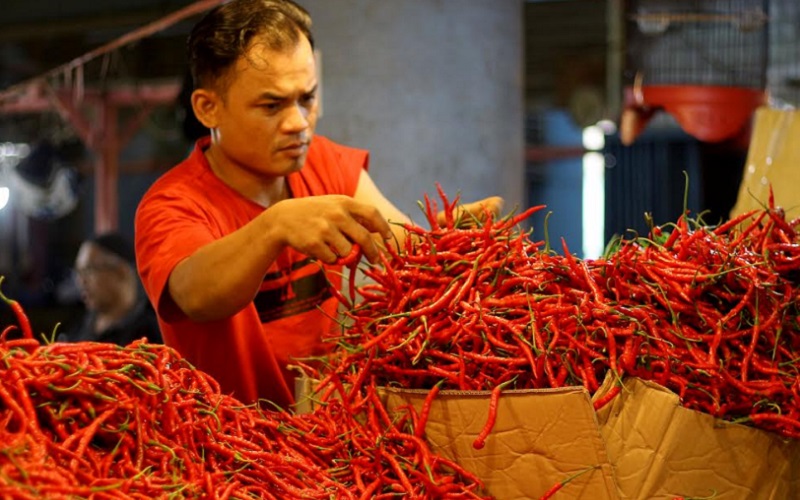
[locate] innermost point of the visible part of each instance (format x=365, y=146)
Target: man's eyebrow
x=271, y=96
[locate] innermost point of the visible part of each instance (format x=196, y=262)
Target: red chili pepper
x=22, y=318
x=419, y=431
x=351, y=258
x=503, y=226
x=494, y=399
x=607, y=397
x=558, y=486
x=431, y=213
x=677, y=232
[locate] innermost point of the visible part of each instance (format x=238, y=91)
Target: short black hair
x=225, y=32
x=118, y=244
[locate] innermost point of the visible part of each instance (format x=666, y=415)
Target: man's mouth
x=294, y=144
x=297, y=147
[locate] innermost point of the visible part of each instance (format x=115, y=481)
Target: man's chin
x=293, y=165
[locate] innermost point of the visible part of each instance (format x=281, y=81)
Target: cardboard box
x=773, y=159
x=661, y=450
x=644, y=445
x=540, y=438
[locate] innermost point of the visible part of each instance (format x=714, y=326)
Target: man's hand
x=326, y=227
x=467, y=213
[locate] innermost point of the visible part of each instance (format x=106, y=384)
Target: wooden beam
x=106, y=196
x=72, y=98
x=145, y=31
x=73, y=116
x=37, y=100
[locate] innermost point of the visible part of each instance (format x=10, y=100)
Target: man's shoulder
x=193, y=166
x=188, y=169
x=333, y=168
x=182, y=180
x=321, y=143
x=320, y=149
x=324, y=152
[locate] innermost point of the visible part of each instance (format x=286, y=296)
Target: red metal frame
x=102, y=133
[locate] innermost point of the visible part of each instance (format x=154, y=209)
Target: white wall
x=433, y=88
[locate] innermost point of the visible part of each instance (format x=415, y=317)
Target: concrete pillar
x=433, y=88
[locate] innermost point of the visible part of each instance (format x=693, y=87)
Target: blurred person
x=116, y=309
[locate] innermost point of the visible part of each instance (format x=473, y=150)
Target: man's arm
x=221, y=278
x=368, y=192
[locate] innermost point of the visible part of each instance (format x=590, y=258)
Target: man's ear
x=205, y=104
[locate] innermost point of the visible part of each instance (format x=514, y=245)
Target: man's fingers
x=360, y=234
x=341, y=246
x=352, y=257
x=334, y=224
x=493, y=204
x=479, y=209
x=371, y=218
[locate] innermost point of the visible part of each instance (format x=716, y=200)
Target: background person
x=116, y=309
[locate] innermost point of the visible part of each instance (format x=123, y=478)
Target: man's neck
x=264, y=192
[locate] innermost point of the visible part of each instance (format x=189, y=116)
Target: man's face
x=267, y=114
x=99, y=276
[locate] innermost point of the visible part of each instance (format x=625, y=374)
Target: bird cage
x=702, y=61
x=783, y=71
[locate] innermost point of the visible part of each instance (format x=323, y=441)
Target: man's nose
x=297, y=119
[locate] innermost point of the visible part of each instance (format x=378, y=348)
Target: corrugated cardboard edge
x=661, y=450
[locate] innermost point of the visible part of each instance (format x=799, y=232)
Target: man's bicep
x=166, y=234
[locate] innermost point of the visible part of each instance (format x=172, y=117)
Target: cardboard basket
x=540, y=438
x=661, y=450
x=643, y=445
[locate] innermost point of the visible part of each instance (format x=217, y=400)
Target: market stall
x=476, y=362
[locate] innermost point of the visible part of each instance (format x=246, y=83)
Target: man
x=116, y=310
x=237, y=244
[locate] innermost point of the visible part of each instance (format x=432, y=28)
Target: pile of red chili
x=99, y=421
x=473, y=304
x=716, y=315
x=710, y=312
